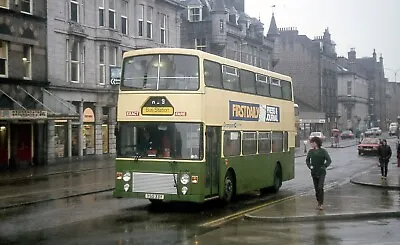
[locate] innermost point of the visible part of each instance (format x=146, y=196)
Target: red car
x=368, y=146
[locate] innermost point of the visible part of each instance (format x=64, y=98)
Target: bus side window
x=230, y=78
x=247, y=82
x=232, y=140
x=212, y=74
x=286, y=90
x=277, y=141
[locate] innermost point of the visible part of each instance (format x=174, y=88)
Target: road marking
x=242, y=213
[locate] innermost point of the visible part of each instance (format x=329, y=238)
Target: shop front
x=88, y=131
x=22, y=138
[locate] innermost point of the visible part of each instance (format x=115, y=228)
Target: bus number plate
x=154, y=196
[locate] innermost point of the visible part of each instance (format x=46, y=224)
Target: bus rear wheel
x=229, y=187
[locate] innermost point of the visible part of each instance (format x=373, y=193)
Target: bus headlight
x=185, y=179
x=127, y=176
x=184, y=190
x=126, y=187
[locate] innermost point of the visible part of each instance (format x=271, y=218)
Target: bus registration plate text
x=154, y=196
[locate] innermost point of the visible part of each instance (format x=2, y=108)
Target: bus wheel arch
x=229, y=190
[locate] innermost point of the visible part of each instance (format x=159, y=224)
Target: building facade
x=223, y=28
x=352, y=94
x=312, y=65
x=26, y=105
x=376, y=89
x=86, y=40
x=392, y=102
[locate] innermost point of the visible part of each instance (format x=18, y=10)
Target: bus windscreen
x=161, y=72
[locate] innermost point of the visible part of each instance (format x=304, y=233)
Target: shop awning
x=53, y=107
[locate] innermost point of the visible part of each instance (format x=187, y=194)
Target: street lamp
x=395, y=89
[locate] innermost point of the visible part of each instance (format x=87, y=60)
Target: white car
x=317, y=134
x=393, y=128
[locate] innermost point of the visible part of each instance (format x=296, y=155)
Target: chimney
x=352, y=55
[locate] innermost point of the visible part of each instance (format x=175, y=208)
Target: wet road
x=101, y=219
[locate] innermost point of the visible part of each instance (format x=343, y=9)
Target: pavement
x=367, y=196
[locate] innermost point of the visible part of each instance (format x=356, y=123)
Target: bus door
x=213, y=157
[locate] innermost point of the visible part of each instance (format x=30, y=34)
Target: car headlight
x=185, y=179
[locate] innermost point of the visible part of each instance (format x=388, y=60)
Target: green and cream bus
x=193, y=126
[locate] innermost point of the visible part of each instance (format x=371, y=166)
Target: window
x=163, y=24
x=212, y=74
x=275, y=88
x=149, y=23
x=264, y=142
x=200, y=44
x=232, y=143
x=4, y=4
x=74, y=72
x=111, y=14
x=277, y=142
x=247, y=82
x=27, y=62
x=74, y=11
x=285, y=141
x=172, y=141
x=230, y=78
x=221, y=26
x=3, y=59
x=140, y=20
x=286, y=90
x=349, y=86
x=26, y=6
x=113, y=53
x=249, y=143
x=102, y=68
x=262, y=84
x=101, y=13
x=161, y=72
x=124, y=18
x=195, y=14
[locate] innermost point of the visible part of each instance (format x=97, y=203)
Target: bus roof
x=207, y=56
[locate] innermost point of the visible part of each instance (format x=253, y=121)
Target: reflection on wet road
x=101, y=219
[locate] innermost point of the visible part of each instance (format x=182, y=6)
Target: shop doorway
x=21, y=145
x=3, y=146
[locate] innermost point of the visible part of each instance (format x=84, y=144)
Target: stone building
x=353, y=96
x=376, y=89
x=26, y=105
x=223, y=28
x=392, y=102
x=312, y=65
x=86, y=40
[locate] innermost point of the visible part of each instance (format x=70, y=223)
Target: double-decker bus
x=193, y=126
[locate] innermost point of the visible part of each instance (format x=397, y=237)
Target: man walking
x=317, y=161
x=384, y=153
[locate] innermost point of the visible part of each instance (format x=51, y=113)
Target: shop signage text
x=23, y=114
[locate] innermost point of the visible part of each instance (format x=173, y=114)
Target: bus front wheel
x=229, y=187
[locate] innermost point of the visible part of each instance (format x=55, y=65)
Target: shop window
x=249, y=143
x=264, y=142
x=3, y=146
x=88, y=139
x=75, y=140
x=277, y=141
x=232, y=141
x=61, y=139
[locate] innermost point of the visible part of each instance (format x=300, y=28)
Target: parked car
x=317, y=134
x=368, y=146
x=347, y=134
x=393, y=128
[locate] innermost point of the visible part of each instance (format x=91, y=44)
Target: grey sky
x=360, y=24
